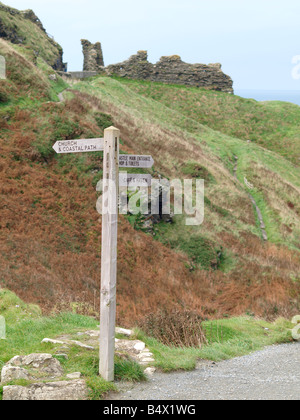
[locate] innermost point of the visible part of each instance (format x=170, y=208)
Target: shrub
x=65, y=129
x=62, y=127
x=103, y=120
x=128, y=370
x=201, y=251
x=3, y=97
x=175, y=329
x=197, y=171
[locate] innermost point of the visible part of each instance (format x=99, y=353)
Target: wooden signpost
x=109, y=253
x=111, y=179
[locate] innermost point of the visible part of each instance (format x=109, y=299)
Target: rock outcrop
x=44, y=377
x=53, y=391
x=93, y=56
x=17, y=26
x=48, y=371
x=173, y=70
x=31, y=367
x=29, y=14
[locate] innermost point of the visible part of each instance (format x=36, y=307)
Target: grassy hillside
x=50, y=230
x=24, y=28
x=25, y=83
x=273, y=125
x=180, y=144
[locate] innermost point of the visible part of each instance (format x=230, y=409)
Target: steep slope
x=24, y=28
x=273, y=125
x=24, y=79
x=179, y=144
x=50, y=230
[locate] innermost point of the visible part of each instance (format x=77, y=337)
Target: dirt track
x=271, y=374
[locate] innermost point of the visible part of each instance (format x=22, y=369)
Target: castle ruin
x=170, y=70
x=173, y=70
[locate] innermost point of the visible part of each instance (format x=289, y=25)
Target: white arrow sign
x=134, y=180
x=135, y=161
x=79, y=146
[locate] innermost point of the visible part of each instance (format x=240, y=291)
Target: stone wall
x=78, y=74
x=173, y=70
x=93, y=56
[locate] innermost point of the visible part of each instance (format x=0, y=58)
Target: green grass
x=87, y=362
x=202, y=252
x=228, y=338
x=27, y=85
x=274, y=125
x=26, y=328
x=197, y=171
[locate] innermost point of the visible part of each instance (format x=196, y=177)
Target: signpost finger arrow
x=134, y=180
x=135, y=161
x=79, y=146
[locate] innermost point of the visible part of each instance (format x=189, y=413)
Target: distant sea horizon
x=292, y=96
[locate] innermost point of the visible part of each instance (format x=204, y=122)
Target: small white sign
x=79, y=146
x=135, y=161
x=135, y=180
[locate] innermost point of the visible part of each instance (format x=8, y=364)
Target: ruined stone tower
x=93, y=56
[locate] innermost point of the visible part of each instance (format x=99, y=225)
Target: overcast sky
x=255, y=40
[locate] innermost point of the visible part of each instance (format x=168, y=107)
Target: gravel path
x=271, y=374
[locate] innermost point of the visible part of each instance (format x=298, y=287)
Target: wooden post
x=109, y=252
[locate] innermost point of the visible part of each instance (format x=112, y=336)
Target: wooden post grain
x=109, y=252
